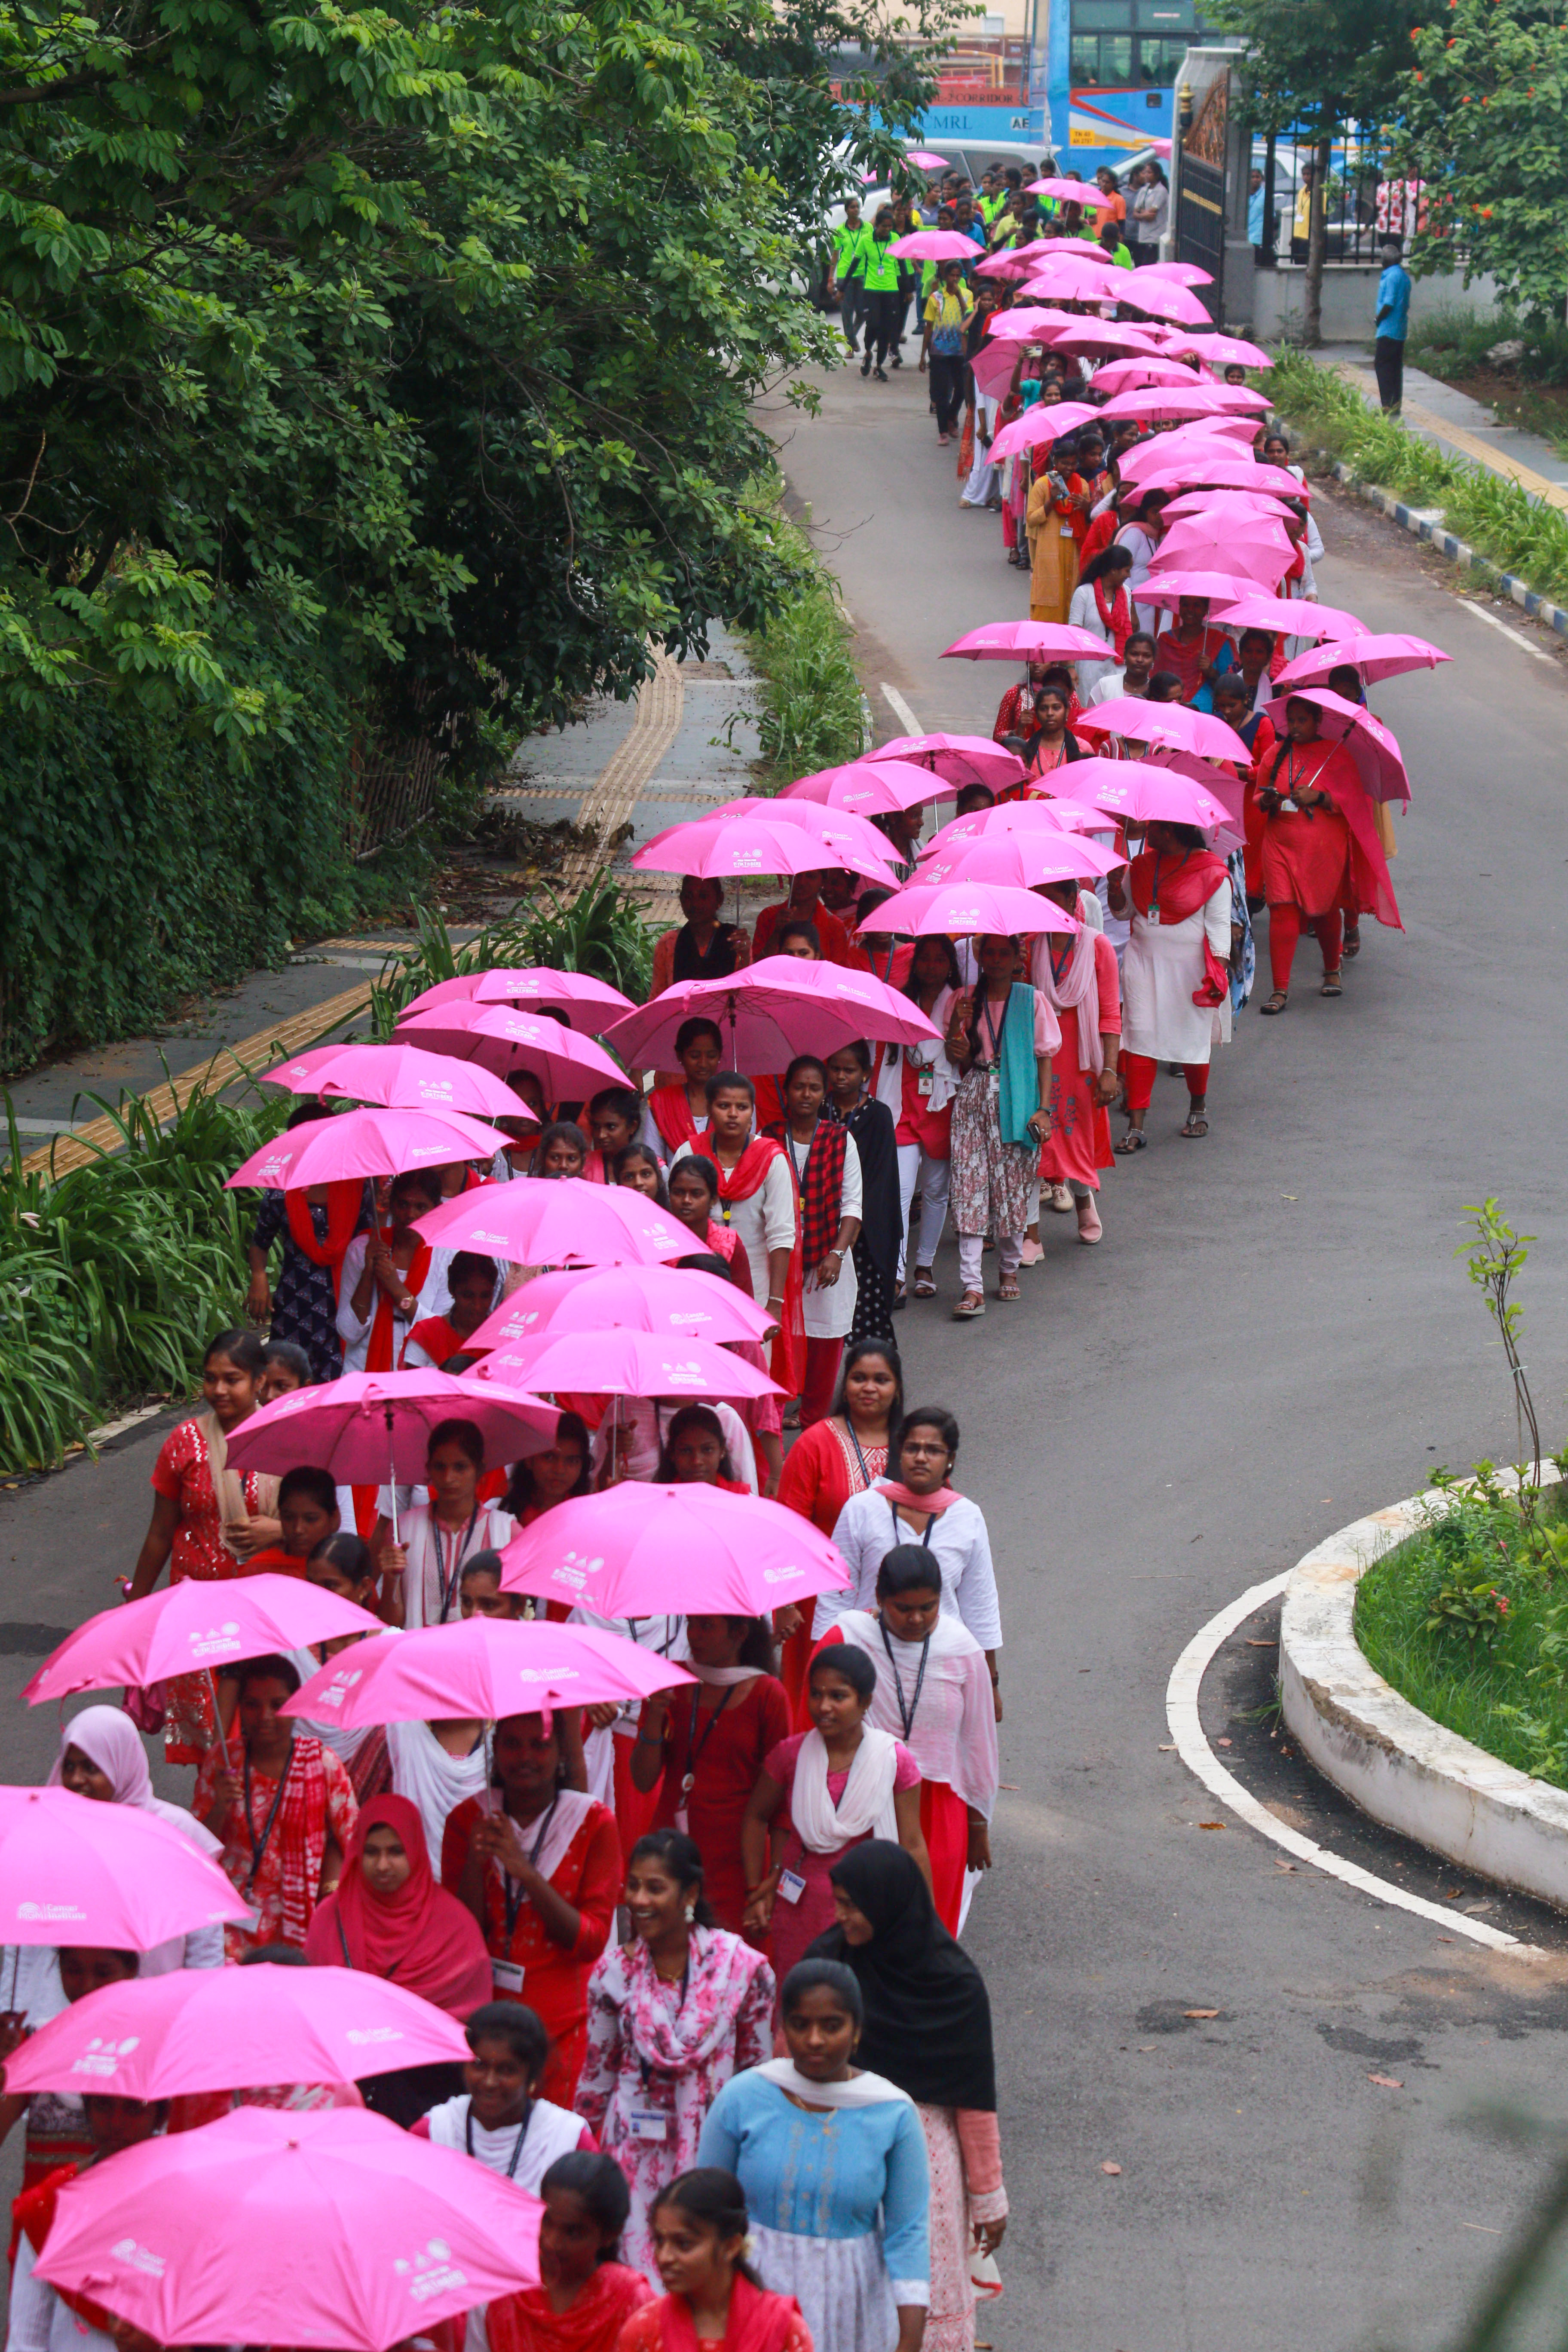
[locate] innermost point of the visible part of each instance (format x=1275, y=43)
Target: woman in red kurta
x=831, y=1461
x=1320, y=849
x=1189, y=647
x=541, y=1871
x=1234, y=705
x=678, y=1112
x=703, y=1749
x=1078, y=978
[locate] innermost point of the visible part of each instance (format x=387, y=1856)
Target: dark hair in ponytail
x=680, y=1857
x=716, y=2199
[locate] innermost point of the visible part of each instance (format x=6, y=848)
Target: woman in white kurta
x=377, y=1311
x=1180, y=950
x=1100, y=605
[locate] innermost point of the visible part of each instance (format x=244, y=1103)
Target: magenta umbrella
x=772, y=1010
x=557, y=1221
x=1219, y=506
x=669, y=1301
x=1172, y=465
x=1194, y=399
x=1106, y=337
x=1070, y=192
x=398, y=1077
x=375, y=1427
x=1046, y=421
x=962, y=759
x=796, y=837
x=1290, y=617
x=622, y=1362
x=1167, y=589
x=1260, y=549
x=1231, y=351
x=1371, y=656
x=1049, y=816
x=367, y=1143
x=195, y=1627
x=1027, y=641
x=1024, y=324
x=1161, y=298
x=490, y=1667
x=1009, y=263
x=924, y=161
x=1130, y=376
x=1140, y=794
x=1074, y=278
x=501, y=1039
x=1023, y=860
x=587, y=1003
x=1185, y=273
x=335, y=2229
x=867, y=788
x=74, y=1872
x=960, y=908
x=638, y=1550
x=234, y=2030
x=1171, y=725
x=934, y=244
x=1373, y=746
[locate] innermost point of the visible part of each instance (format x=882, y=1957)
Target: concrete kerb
x=1392, y=1760
x=1423, y=523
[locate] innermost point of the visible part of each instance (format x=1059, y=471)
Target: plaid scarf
x=820, y=1185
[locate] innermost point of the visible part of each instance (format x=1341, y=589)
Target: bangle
x=650, y=1739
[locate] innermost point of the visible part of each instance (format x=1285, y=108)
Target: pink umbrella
x=773, y=1010
x=1024, y=324
x=1130, y=376
x=1185, y=273
x=396, y=1076
x=501, y=1039
x=551, y=1221
x=587, y=1003
x=1017, y=641
x=1167, y=589
x=1026, y=817
x=490, y=1668
x=994, y=366
x=784, y=841
x=1160, y=298
x=934, y=245
x=924, y=161
x=1193, y=399
x=1171, y=464
x=1371, y=656
x=334, y=2229
x=671, y=1302
x=1046, y=421
x=962, y=759
x=1373, y=746
x=1261, y=551
x=195, y=1627
x=867, y=788
x=968, y=907
x=73, y=1872
x=1170, y=725
x=367, y=1143
x=234, y=2030
x=622, y=1362
x=1223, y=504
x=840, y=828
x=1140, y=794
x=1070, y=192
x=1290, y=617
x=638, y=1550
x=1008, y=264
x=1023, y=860
x=1074, y=278
x=1102, y=338
x=1231, y=351
x=375, y=1427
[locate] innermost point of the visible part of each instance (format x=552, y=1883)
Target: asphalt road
x=1273, y=1337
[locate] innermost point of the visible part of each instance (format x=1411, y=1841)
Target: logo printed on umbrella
x=68, y=1912
x=139, y=2258
x=102, y=2058
x=361, y=2035
x=576, y=1571
x=218, y=1640
x=781, y=1575
x=689, y=1375
x=551, y=1674
x=431, y=2271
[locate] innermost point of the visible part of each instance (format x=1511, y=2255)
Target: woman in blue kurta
x=833, y=2162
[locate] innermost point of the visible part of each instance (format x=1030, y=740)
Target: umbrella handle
x=392, y=1476
x=217, y=1717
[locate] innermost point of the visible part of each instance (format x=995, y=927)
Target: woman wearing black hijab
x=870, y=1123
x=927, y=2029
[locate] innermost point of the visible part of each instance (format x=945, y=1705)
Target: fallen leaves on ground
x=1386, y=2082
x=1210, y=1825
x=1111, y=2167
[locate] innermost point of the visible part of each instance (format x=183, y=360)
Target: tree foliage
x=1318, y=65
x=1485, y=106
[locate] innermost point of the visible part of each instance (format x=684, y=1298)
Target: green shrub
x=1454, y=342
x=601, y=931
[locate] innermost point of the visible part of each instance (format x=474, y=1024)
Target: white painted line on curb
x=901, y=711
x=1514, y=637
x=127, y=1421
x=1182, y=1714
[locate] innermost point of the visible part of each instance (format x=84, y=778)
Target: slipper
x=900, y=1298
x=1057, y=1197
x=1090, y=1233
x=1331, y=986
x=1133, y=1140
x=1007, y=1289
x=968, y=1308
x=925, y=1286
x=1275, y=1003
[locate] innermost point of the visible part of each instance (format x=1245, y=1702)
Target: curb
x=1395, y=1762
x=1422, y=524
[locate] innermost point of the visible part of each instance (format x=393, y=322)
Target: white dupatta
x=866, y=1808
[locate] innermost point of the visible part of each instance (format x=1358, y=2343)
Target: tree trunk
x=1317, y=247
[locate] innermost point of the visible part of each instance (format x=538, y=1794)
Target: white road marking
x=127, y=1420
x=1514, y=637
x=901, y=711
x=1182, y=1714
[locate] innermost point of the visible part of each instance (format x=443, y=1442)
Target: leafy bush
x=1453, y=342
x=601, y=931
x=113, y=1280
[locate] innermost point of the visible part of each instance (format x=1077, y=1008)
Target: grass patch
x=601, y=931
x=1428, y=1618
x=1495, y=516
x=1454, y=342
x=809, y=704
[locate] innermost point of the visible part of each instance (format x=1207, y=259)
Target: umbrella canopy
x=1193, y=399
x=1023, y=860
x=1290, y=617
x=961, y=908
x=1048, y=816
x=924, y=161
x=375, y=1426
x=334, y=2229
x=367, y=1143
x=489, y=1667
x=558, y=1221
x=1074, y=278
x=1371, y=656
x=638, y=1550
x=396, y=1077
x=961, y=759
x=1100, y=337
x=1017, y=641
x=669, y=1301
x=190, y=1628
x=1374, y=748
x=622, y=1362
x=1009, y=263
x=1132, y=375
x=770, y=1011
x=1219, y=506
x=789, y=837
x=867, y=788
x=501, y=1039
x=1172, y=465
x=1069, y=192
x=1170, y=725
x=1025, y=324
x=234, y=2030
x=1185, y=273
x=1046, y=421
x=934, y=244
x=1140, y=794
x=587, y=1003
x=1260, y=549
x=1161, y=298
x=1227, y=351
x=1167, y=589
x=74, y=1872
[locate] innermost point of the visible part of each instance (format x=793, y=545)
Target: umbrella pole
x=217, y=1719
x=392, y=1476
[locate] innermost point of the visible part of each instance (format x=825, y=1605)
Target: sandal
x=925, y=1286
x=1133, y=1140
x=1275, y=1004
x=970, y=1305
x=1353, y=942
x=1007, y=1289
x=1332, y=985
x=900, y=1298
x=1197, y=1127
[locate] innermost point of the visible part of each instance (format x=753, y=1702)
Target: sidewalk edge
x=1418, y=522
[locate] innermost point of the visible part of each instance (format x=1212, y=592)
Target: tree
x=1485, y=127
x=1315, y=67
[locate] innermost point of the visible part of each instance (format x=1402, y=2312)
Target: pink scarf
x=720, y=1970
x=1077, y=991
x=902, y=1499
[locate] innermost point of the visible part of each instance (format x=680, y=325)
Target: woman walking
x=585, y=2293
x=1147, y=214
x=838, y=1458
x=420, y=1574
x=1321, y=850
x=699, y=2232
x=825, y=1166
x=1101, y=605
x=1058, y=497
x=870, y=1127
x=284, y=1819
x=924, y=1132
x=1000, y=1034
x=676, y=1111
x=1080, y=980
x=1175, y=977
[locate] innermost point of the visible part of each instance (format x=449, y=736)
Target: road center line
x=1182, y=1714
x=901, y=711
x=1515, y=636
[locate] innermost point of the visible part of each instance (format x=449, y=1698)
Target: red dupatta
x=344, y=1198
x=378, y=1354
x=1372, y=885
x=672, y=1114
x=757, y=2321
x=32, y=2217
x=1176, y=883
x=787, y=1362
x=1116, y=616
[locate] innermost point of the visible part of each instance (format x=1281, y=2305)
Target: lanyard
x=860, y=1458
x=907, y=1714
x=995, y=1027
x=258, y=1846
x=512, y=1892
x=694, y=1747
x=1059, y=970
x=924, y=1535
x=1154, y=885
x=517, y=2145
x=448, y=1588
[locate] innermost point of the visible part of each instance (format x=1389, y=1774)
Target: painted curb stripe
x=1421, y=526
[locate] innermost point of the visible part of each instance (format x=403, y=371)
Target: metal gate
x=1200, y=200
